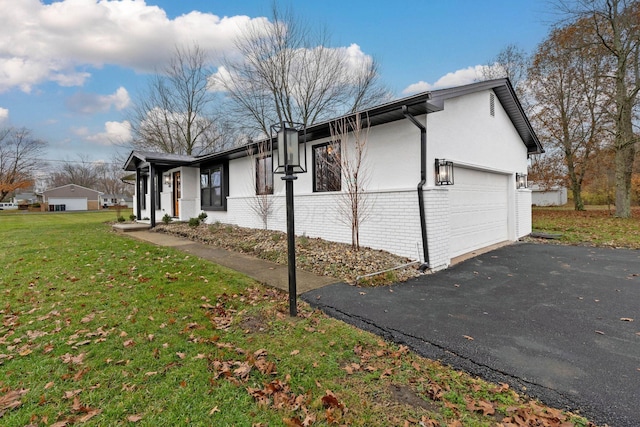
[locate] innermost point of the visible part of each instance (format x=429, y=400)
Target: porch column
x=152, y=194
x=137, y=193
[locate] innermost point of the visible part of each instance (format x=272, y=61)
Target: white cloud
x=61, y=41
x=4, y=115
x=115, y=133
x=88, y=103
x=457, y=78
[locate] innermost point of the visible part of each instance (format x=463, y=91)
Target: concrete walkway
x=265, y=272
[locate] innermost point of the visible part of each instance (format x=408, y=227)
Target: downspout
x=423, y=180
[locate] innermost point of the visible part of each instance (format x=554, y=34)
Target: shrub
x=202, y=216
x=132, y=217
x=166, y=219
x=121, y=218
x=194, y=222
x=303, y=241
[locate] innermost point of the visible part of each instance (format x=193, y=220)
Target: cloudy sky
x=69, y=69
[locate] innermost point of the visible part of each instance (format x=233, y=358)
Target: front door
x=176, y=194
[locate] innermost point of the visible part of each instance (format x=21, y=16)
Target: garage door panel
x=71, y=204
x=479, y=210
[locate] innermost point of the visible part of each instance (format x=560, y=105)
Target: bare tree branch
x=177, y=112
x=288, y=73
x=19, y=153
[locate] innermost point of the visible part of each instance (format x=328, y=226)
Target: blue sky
x=70, y=68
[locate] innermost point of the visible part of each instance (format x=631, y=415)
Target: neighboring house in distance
x=27, y=198
x=552, y=196
x=481, y=128
x=71, y=197
x=109, y=200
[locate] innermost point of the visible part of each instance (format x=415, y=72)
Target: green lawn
x=595, y=226
x=100, y=329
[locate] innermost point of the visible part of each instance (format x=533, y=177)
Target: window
x=143, y=190
x=327, y=167
x=264, y=175
x=213, y=188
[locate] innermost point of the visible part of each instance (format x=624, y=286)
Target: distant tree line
x=580, y=90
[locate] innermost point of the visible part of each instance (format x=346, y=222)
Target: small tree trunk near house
x=352, y=135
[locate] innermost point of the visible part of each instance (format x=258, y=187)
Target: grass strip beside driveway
x=100, y=329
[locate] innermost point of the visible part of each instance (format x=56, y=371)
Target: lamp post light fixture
x=521, y=181
x=444, y=172
x=289, y=164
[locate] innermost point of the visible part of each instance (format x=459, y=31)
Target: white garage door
x=479, y=210
x=71, y=204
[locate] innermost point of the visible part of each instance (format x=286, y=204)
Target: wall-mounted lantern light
x=521, y=180
x=167, y=180
x=444, y=172
x=289, y=163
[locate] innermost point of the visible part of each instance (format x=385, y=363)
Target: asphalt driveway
x=561, y=323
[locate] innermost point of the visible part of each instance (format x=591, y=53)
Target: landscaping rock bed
x=314, y=255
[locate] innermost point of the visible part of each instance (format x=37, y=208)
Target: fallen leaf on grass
x=481, y=406
x=134, y=418
x=329, y=400
x=214, y=410
x=90, y=414
x=72, y=393
x=292, y=422
x=11, y=400
x=88, y=318
x=25, y=351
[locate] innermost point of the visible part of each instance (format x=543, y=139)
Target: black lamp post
x=289, y=164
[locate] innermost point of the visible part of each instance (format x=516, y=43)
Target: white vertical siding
x=523, y=213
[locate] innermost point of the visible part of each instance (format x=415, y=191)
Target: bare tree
x=287, y=73
x=109, y=176
x=548, y=169
x=82, y=172
x=511, y=62
x=351, y=134
x=262, y=181
x=19, y=152
x=616, y=29
x=177, y=114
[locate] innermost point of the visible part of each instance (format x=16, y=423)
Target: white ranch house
x=481, y=128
